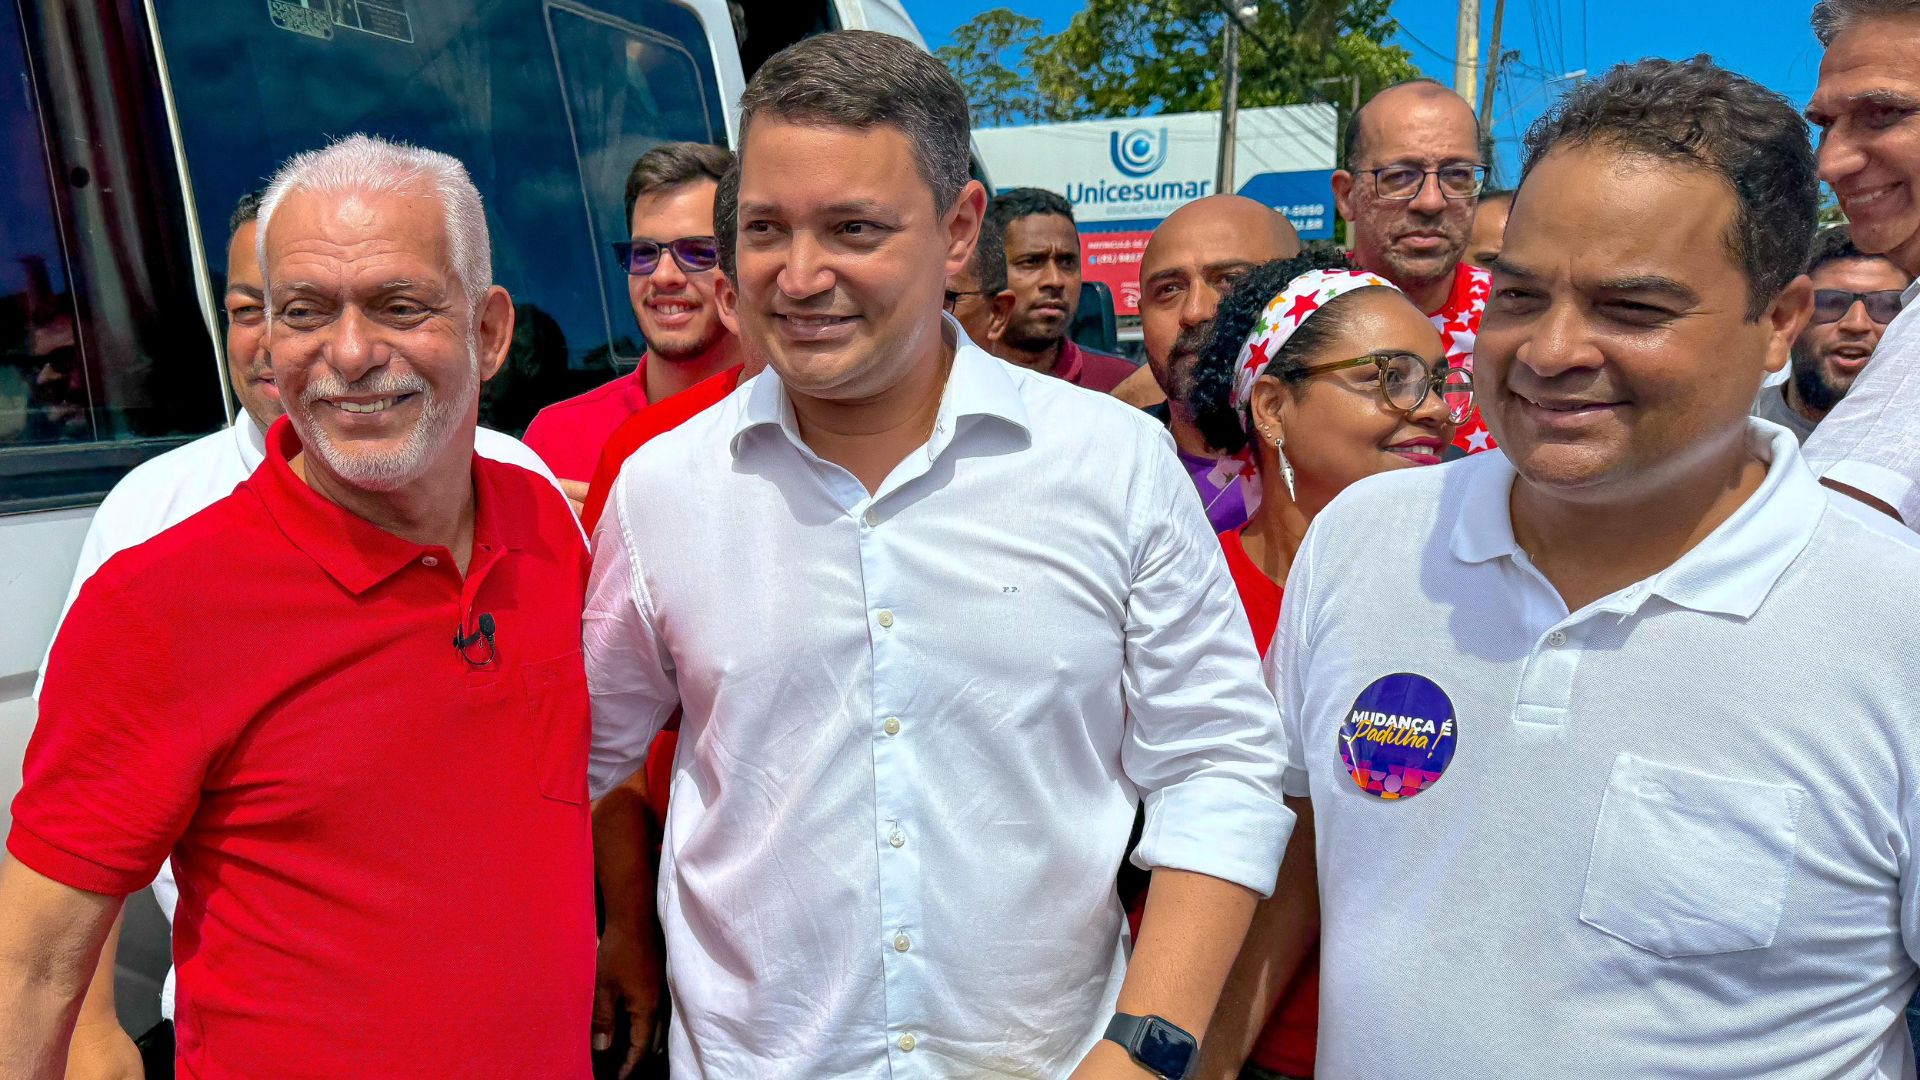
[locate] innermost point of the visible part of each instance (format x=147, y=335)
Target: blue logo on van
x=1135, y=153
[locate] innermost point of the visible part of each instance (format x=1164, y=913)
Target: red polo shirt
x=568, y=434
x=383, y=850
x=1091, y=368
x=640, y=428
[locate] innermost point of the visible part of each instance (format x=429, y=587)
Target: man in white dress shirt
x=169, y=489
x=973, y=616
x=1574, y=817
x=1867, y=108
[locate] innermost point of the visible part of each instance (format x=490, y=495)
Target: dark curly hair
x=1700, y=114
x=1213, y=373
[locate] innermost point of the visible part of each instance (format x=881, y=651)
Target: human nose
x=1201, y=303
x=1428, y=198
x=667, y=273
x=1555, y=344
x=1839, y=154
x=805, y=271
x=1856, y=320
x=354, y=349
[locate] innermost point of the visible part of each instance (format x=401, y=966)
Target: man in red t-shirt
x=1413, y=178
x=348, y=699
x=670, y=261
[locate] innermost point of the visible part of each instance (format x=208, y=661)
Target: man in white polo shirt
x=171, y=488
x=1575, y=818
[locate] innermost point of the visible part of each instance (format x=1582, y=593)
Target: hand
x=102, y=1051
x=576, y=492
x=628, y=975
x=1108, y=1060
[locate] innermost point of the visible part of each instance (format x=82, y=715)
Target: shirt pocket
x=557, y=714
x=1689, y=864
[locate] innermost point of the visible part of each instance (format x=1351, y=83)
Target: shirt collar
x=1071, y=359
x=1730, y=572
x=978, y=384
x=352, y=550
x=1912, y=294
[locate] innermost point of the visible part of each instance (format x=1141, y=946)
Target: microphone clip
x=464, y=643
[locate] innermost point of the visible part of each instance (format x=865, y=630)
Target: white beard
x=389, y=470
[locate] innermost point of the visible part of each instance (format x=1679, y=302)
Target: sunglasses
x=1832, y=305
x=695, y=254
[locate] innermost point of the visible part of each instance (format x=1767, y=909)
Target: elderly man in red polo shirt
x=347, y=699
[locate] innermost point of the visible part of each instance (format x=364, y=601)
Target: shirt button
x=886, y=618
x=429, y=560
x=873, y=517
x=897, y=838
x=900, y=943
x=907, y=1043
x=1557, y=638
x=892, y=726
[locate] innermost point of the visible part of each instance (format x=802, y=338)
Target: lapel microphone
x=464, y=642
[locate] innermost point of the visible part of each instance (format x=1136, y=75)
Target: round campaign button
x=1398, y=737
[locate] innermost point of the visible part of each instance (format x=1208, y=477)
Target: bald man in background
x=1191, y=260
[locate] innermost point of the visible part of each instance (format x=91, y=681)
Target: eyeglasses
x=1403, y=182
x=1832, y=305
x=1406, y=379
x=954, y=296
x=695, y=254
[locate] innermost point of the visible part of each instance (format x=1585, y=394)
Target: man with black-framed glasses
x=1855, y=296
x=1412, y=180
x=674, y=281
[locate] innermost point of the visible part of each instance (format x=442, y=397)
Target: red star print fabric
x=1459, y=324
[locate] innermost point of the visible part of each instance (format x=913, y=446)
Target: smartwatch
x=1163, y=1049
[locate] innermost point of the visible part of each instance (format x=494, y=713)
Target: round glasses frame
x=1453, y=383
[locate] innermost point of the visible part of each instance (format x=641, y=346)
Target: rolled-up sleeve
x=1203, y=739
x=630, y=676
x=1871, y=439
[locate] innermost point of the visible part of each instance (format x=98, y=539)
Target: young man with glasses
x=1855, y=296
x=1412, y=182
x=671, y=264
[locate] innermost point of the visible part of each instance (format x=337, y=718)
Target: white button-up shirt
x=917, y=724
x=1676, y=836
x=1871, y=439
x=164, y=491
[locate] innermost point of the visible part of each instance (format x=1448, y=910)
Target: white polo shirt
x=1668, y=835
x=163, y=492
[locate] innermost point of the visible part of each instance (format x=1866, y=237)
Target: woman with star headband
x=1316, y=376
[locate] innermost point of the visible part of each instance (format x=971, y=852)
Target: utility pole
x=1229, y=104
x=1493, y=72
x=1466, y=51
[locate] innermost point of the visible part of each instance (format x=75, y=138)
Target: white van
x=136, y=127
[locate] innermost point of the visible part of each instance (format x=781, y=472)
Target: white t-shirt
x=164, y=491
x=1871, y=439
x=1671, y=834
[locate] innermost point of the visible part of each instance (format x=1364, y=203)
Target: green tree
x=991, y=55
x=1125, y=57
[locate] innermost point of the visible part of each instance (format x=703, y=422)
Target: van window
x=547, y=105
x=105, y=356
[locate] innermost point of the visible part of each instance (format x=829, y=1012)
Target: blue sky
x=1766, y=40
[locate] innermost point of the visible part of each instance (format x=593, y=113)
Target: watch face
x=1164, y=1048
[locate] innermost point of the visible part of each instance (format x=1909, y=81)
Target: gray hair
x=1830, y=17
x=370, y=165
x=861, y=79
